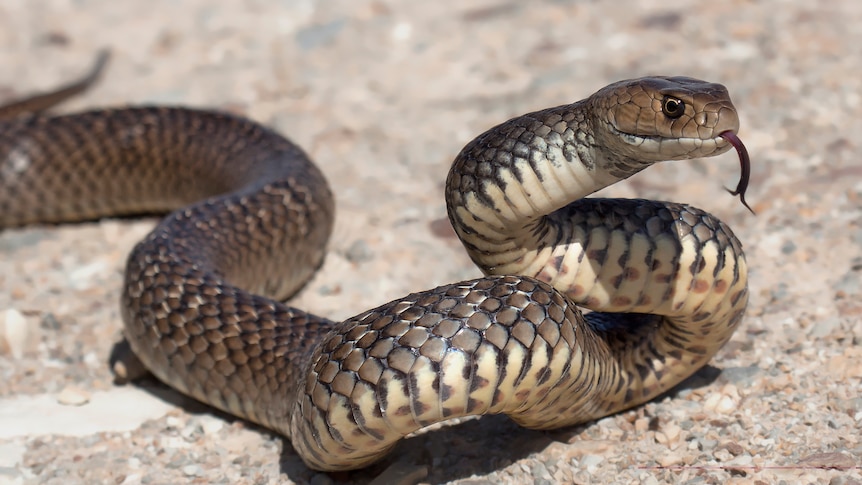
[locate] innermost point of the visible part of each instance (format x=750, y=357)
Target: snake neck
x=508, y=189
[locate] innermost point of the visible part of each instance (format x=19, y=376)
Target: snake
x=587, y=306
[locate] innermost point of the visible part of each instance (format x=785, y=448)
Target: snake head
x=650, y=119
x=664, y=118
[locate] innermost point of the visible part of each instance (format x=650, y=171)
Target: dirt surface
x=383, y=94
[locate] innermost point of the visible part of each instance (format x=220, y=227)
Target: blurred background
x=383, y=94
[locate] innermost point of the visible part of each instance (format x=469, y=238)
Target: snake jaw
x=726, y=139
x=658, y=145
x=729, y=138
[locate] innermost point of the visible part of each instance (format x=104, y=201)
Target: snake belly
x=667, y=283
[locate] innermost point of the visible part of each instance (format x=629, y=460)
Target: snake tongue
x=744, y=163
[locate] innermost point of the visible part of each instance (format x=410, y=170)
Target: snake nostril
x=726, y=120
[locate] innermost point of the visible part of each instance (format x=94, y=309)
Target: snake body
x=667, y=283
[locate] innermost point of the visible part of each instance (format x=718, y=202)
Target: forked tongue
x=744, y=163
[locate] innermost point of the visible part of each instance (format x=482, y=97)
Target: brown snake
x=667, y=282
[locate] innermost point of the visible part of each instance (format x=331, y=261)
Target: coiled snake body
x=667, y=282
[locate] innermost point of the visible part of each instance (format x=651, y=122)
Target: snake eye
x=672, y=107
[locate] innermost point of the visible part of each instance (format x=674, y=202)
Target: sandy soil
x=383, y=94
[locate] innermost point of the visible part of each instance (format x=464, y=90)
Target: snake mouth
x=658, y=141
x=727, y=136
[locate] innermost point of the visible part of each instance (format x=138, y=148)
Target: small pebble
x=125, y=365
x=850, y=283
x=650, y=480
x=173, y=422
x=132, y=479
x=73, y=396
x=725, y=405
x=707, y=444
x=740, y=375
x=539, y=471
x=589, y=461
x=824, y=327
x=670, y=459
x=193, y=470
x=847, y=365
x=711, y=401
x=829, y=460
x=722, y=455
x=329, y=290
x=211, y=425
x=734, y=448
x=358, y=252
x=669, y=434
x=49, y=322
x=721, y=404
x=317, y=35
x=93, y=360
x=191, y=431
x=740, y=461
x=17, y=335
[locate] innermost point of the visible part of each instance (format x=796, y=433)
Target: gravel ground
x=382, y=94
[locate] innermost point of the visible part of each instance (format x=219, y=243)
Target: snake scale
x=666, y=282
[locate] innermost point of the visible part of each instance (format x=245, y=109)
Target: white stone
x=15, y=332
x=73, y=396
x=120, y=409
x=11, y=454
